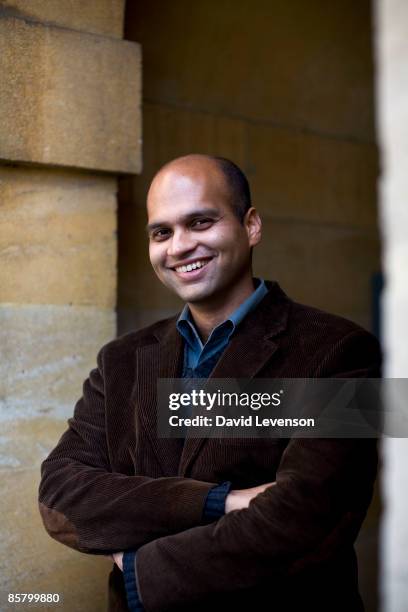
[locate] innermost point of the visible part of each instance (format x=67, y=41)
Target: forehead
x=176, y=195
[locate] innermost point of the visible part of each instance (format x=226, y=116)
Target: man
x=232, y=523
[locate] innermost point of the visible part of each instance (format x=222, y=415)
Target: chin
x=193, y=295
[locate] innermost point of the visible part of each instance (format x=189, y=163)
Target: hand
x=240, y=498
x=118, y=559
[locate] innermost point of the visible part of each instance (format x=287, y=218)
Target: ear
x=253, y=226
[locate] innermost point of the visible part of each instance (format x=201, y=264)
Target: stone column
x=392, y=58
x=69, y=123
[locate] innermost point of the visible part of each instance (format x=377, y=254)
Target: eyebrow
x=201, y=212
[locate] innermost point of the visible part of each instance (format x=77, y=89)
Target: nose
x=181, y=243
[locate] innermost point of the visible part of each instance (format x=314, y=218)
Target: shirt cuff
x=214, y=507
x=129, y=575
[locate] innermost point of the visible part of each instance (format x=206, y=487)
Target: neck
x=208, y=315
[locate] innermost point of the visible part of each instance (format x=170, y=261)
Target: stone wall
x=69, y=123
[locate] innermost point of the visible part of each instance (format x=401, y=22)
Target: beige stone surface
x=24, y=444
x=69, y=98
x=47, y=351
x=100, y=17
x=297, y=64
x=31, y=562
x=57, y=237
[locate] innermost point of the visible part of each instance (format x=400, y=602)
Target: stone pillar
x=392, y=54
x=69, y=123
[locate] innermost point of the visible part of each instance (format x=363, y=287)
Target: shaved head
x=225, y=176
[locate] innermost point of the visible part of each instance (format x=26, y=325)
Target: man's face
x=197, y=245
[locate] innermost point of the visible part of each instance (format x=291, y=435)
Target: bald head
x=221, y=174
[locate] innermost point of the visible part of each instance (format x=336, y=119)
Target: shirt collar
x=250, y=303
x=187, y=329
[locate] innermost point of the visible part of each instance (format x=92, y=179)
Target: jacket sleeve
x=322, y=492
x=87, y=506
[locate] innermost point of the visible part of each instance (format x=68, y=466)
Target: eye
x=160, y=234
x=202, y=223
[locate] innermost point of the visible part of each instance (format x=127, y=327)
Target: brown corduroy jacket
x=111, y=484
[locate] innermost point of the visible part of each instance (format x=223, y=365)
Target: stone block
x=103, y=17
x=324, y=266
x=69, y=98
x=47, y=352
x=25, y=443
x=295, y=175
x=58, y=237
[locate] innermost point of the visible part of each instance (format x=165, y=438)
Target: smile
x=195, y=265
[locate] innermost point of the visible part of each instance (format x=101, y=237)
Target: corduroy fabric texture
x=111, y=484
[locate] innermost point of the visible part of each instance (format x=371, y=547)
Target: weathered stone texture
x=67, y=98
x=100, y=17
x=47, y=351
x=58, y=237
x=78, y=102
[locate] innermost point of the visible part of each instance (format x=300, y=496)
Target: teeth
x=193, y=266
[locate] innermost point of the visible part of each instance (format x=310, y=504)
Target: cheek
x=217, y=239
x=229, y=243
x=155, y=255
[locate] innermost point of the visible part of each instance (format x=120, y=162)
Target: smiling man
x=231, y=523
x=201, y=232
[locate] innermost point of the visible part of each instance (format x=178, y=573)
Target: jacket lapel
x=250, y=348
x=161, y=358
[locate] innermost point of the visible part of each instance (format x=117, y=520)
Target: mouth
x=195, y=265
x=193, y=269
